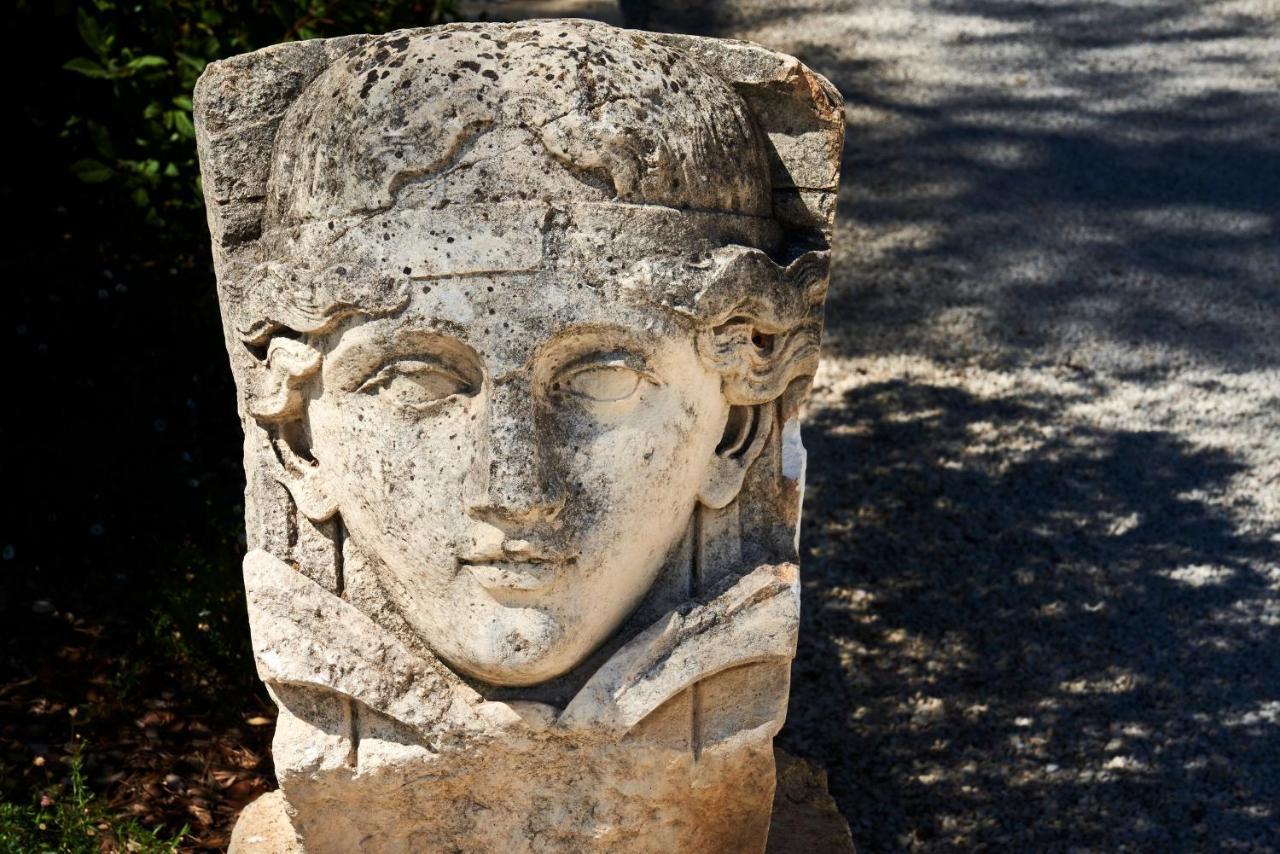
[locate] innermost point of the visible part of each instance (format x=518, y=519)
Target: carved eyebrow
x=587, y=341
x=352, y=363
x=605, y=358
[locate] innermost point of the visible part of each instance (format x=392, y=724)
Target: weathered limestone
x=521, y=316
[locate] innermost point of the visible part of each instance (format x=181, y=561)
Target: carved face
x=518, y=456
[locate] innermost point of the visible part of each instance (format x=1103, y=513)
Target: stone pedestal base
x=264, y=828
x=805, y=818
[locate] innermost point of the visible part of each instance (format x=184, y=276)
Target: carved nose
x=517, y=484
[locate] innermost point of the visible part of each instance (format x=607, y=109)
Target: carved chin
x=517, y=647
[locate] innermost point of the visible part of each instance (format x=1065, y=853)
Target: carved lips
x=515, y=575
x=518, y=566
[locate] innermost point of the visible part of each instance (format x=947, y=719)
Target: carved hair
x=419, y=122
x=427, y=116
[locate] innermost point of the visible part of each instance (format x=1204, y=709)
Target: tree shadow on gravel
x=1064, y=191
x=704, y=18
x=1018, y=632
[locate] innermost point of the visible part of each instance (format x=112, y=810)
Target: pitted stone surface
x=474, y=114
x=521, y=317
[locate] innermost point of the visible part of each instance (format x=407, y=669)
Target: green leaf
x=152, y=110
x=87, y=67
x=182, y=124
x=91, y=171
x=183, y=102
x=142, y=63
x=89, y=30
x=102, y=140
x=195, y=63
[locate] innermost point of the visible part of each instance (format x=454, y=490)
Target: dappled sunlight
x=1088, y=181
x=1010, y=581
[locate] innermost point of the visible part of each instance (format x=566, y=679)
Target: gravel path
x=1043, y=526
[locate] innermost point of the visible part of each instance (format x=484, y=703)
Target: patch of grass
x=69, y=820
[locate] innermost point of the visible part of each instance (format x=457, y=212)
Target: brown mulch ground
x=192, y=753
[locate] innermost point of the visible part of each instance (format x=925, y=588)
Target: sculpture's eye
x=604, y=383
x=416, y=383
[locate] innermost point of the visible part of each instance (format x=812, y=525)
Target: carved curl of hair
x=279, y=296
x=760, y=323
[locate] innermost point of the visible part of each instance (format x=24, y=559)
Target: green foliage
x=71, y=821
x=189, y=627
x=132, y=132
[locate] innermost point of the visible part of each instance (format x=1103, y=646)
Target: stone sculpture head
x=520, y=307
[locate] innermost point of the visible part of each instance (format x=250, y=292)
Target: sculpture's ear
x=801, y=115
x=278, y=403
x=746, y=432
x=303, y=478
